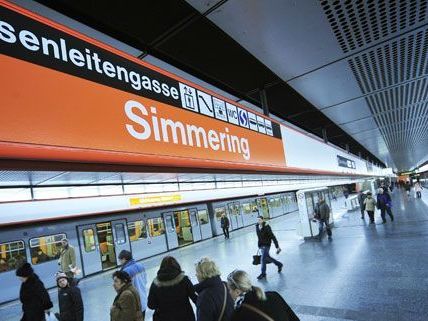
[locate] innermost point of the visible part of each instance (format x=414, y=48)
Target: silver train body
x=98, y=239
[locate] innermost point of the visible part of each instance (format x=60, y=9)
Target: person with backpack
x=171, y=292
x=370, y=205
x=137, y=272
x=384, y=203
x=253, y=304
x=214, y=301
x=69, y=300
x=33, y=295
x=265, y=237
x=224, y=221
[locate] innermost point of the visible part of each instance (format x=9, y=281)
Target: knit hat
x=60, y=275
x=25, y=270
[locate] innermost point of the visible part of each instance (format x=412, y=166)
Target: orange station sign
x=67, y=97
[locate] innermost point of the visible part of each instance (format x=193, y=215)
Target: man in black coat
x=69, y=299
x=33, y=295
x=265, y=237
x=224, y=221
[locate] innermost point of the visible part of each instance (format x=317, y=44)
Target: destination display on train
x=63, y=89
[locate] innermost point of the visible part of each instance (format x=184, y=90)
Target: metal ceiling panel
x=273, y=31
x=328, y=86
x=360, y=125
x=349, y=111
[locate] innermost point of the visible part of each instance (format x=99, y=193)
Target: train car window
x=233, y=208
x=156, y=226
x=219, y=211
x=203, y=217
x=89, y=240
x=247, y=208
x=137, y=231
x=119, y=228
x=12, y=255
x=45, y=248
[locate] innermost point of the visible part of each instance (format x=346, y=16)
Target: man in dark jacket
x=265, y=237
x=323, y=215
x=33, y=295
x=384, y=203
x=69, y=299
x=361, y=198
x=224, y=221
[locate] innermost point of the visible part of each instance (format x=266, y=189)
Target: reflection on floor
x=368, y=272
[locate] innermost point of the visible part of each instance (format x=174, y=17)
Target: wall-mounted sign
x=161, y=199
x=67, y=97
x=345, y=162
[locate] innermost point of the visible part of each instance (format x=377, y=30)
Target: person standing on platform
x=224, y=221
x=265, y=237
x=67, y=260
x=69, y=300
x=33, y=295
x=323, y=216
x=407, y=187
x=370, y=205
x=171, y=292
x=361, y=198
x=126, y=305
x=418, y=189
x=384, y=203
x=137, y=272
x=214, y=301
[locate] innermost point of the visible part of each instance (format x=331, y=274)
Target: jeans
x=418, y=194
x=321, y=224
x=386, y=210
x=226, y=232
x=266, y=258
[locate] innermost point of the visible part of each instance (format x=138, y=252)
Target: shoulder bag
x=257, y=259
x=224, y=303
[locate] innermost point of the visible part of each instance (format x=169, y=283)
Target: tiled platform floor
x=368, y=272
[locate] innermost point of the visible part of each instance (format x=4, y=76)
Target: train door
x=204, y=224
x=89, y=249
x=196, y=230
x=263, y=207
x=183, y=227
x=171, y=233
x=235, y=215
x=121, y=240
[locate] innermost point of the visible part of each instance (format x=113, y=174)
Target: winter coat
x=407, y=187
x=369, y=204
x=169, y=296
x=70, y=304
x=137, y=272
x=323, y=211
x=224, y=221
x=211, y=298
x=274, y=306
x=34, y=298
x=67, y=258
x=418, y=187
x=361, y=198
x=383, y=201
x=265, y=235
x=126, y=305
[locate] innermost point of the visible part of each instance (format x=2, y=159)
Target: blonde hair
x=240, y=280
x=206, y=268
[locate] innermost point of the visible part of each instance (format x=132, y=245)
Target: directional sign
x=261, y=124
x=253, y=121
x=205, y=104
x=232, y=114
x=219, y=109
x=243, y=117
x=188, y=97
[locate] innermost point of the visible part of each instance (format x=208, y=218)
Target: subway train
x=98, y=239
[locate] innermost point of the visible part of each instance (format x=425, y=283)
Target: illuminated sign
x=161, y=199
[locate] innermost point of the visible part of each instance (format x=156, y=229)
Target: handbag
x=224, y=303
x=257, y=259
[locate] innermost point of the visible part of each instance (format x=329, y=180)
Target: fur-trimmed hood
x=174, y=281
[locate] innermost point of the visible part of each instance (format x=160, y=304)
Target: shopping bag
x=50, y=316
x=257, y=259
